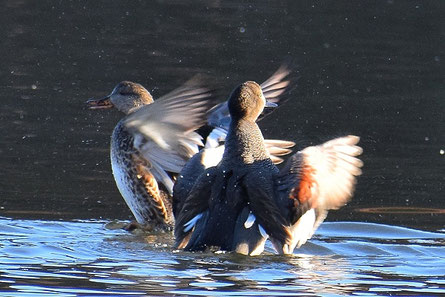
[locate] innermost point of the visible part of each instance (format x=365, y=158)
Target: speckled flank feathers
x=152, y=144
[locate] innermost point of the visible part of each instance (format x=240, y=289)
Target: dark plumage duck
x=239, y=203
x=155, y=139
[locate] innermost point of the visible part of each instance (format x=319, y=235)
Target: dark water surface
x=373, y=69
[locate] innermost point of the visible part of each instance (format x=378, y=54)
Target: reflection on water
x=85, y=259
x=402, y=210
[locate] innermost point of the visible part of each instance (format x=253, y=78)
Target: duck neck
x=244, y=142
x=133, y=109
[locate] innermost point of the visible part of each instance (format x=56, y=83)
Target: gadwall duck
x=146, y=156
x=245, y=199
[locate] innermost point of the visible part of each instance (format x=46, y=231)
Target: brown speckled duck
x=146, y=155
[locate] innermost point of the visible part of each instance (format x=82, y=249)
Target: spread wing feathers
x=266, y=211
x=194, y=205
x=335, y=168
x=274, y=88
x=163, y=130
x=277, y=149
x=170, y=120
x=275, y=85
x=278, y=88
x=315, y=180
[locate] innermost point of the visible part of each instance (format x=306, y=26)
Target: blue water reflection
x=85, y=258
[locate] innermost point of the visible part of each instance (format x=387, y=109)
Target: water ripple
x=86, y=259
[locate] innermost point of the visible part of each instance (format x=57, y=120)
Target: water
x=370, y=69
x=86, y=259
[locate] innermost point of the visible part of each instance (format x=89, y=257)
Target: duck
x=145, y=159
x=156, y=138
x=245, y=200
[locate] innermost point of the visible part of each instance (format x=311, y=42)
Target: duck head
x=247, y=102
x=126, y=96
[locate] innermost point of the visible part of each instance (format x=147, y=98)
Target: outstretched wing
x=193, y=207
x=164, y=130
x=278, y=148
x=263, y=206
x=315, y=180
x=278, y=83
x=275, y=89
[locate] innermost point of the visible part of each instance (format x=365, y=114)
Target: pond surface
x=86, y=259
x=369, y=69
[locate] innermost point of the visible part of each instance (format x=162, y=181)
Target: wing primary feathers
x=190, y=224
x=249, y=221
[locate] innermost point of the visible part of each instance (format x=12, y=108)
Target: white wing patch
x=302, y=229
x=249, y=221
x=215, y=137
x=263, y=232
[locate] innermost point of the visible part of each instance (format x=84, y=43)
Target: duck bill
x=101, y=103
